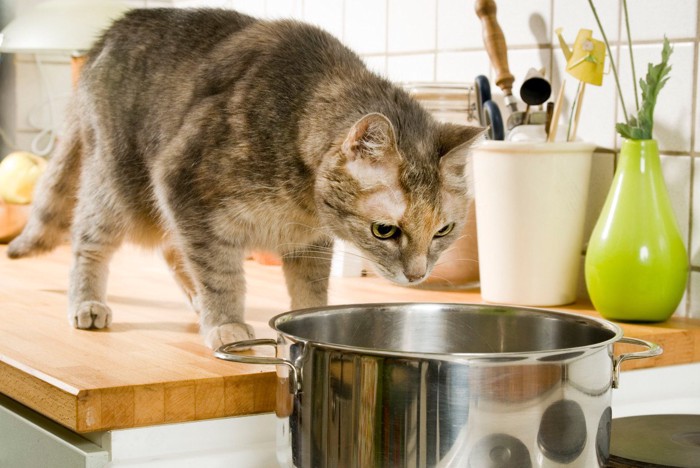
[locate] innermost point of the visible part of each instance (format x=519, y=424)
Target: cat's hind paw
x=91, y=314
x=228, y=333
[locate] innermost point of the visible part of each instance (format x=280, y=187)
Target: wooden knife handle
x=495, y=43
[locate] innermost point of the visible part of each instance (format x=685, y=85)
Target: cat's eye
x=385, y=231
x=445, y=230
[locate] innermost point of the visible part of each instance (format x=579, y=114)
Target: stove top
x=655, y=441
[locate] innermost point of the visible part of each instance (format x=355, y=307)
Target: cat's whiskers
x=320, y=250
x=451, y=248
x=292, y=248
x=313, y=229
x=466, y=260
x=448, y=283
x=312, y=257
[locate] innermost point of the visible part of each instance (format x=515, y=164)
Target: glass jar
x=458, y=266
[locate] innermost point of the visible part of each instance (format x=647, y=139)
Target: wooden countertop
x=150, y=366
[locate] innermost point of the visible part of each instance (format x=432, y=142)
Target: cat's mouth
x=403, y=277
x=414, y=279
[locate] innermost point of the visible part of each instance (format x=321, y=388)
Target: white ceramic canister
x=530, y=207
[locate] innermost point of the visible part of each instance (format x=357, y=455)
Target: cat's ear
x=454, y=142
x=453, y=137
x=372, y=138
x=371, y=156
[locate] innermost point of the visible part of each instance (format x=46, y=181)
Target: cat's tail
x=54, y=197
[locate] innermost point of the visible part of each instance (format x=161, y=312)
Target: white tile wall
x=283, y=8
x=412, y=67
x=366, y=26
x=251, y=7
x=425, y=40
x=695, y=216
x=411, y=25
x=461, y=67
x=574, y=15
x=459, y=27
x=677, y=171
x=651, y=19
x=525, y=23
x=327, y=14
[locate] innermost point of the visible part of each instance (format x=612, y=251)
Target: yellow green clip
x=586, y=60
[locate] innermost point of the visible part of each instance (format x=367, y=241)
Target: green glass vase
x=636, y=263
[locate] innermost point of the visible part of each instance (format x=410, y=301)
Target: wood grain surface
x=150, y=366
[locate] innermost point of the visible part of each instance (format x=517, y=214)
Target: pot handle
x=229, y=352
x=652, y=350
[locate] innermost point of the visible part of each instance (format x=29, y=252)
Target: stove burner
x=661, y=440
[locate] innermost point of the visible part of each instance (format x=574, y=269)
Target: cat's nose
x=416, y=269
x=413, y=277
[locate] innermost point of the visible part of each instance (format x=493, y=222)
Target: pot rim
x=546, y=355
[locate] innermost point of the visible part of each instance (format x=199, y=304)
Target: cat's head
x=402, y=204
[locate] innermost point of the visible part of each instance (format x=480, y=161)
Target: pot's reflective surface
x=506, y=398
x=364, y=411
x=442, y=385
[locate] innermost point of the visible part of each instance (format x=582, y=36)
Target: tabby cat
x=209, y=133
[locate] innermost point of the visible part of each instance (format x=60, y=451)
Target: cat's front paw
x=228, y=333
x=91, y=314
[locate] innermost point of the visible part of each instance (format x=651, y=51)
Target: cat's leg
x=97, y=233
x=173, y=257
x=217, y=271
x=306, y=271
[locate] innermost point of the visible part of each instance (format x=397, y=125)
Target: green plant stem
x=573, y=112
x=612, y=62
x=629, y=43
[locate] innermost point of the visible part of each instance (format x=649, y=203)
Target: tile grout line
x=435, y=47
x=386, y=38
x=550, y=37
x=343, y=19
x=618, y=98
x=693, y=121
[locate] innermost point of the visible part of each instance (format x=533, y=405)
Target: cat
x=208, y=133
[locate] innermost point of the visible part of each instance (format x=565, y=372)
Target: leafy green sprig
x=640, y=127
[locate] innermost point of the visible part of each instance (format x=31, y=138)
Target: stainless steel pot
x=420, y=384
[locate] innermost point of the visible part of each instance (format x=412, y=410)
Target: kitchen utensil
x=549, y=110
x=534, y=91
x=482, y=88
x=659, y=440
x=556, y=113
x=495, y=43
x=425, y=384
x=528, y=133
x=489, y=113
